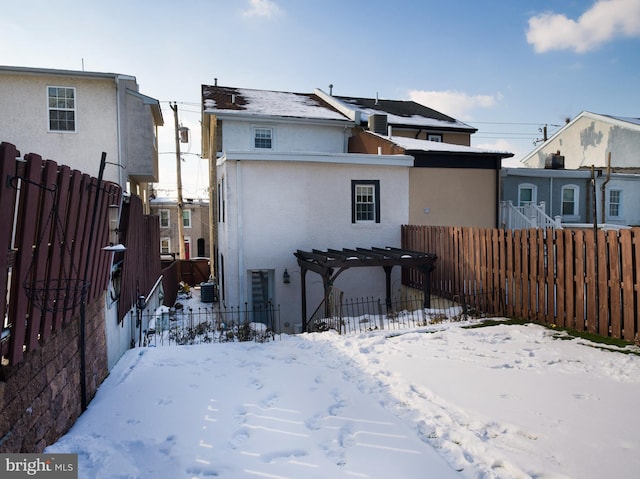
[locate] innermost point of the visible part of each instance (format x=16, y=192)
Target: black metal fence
x=187, y=325
x=368, y=314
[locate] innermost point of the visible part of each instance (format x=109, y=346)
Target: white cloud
x=604, y=21
x=262, y=8
x=456, y=104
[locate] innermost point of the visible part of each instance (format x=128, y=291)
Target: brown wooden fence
x=573, y=278
x=50, y=238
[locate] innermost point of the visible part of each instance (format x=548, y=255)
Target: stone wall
x=40, y=398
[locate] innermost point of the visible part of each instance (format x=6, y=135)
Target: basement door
x=261, y=293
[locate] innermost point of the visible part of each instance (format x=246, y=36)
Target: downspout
x=119, y=133
x=240, y=233
x=498, y=186
x=603, y=186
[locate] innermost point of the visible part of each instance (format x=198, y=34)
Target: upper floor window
x=263, y=138
x=186, y=218
x=434, y=137
x=526, y=194
x=570, y=200
x=615, y=203
x=62, y=108
x=365, y=201
x=164, y=218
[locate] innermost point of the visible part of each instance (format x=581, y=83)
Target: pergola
x=330, y=263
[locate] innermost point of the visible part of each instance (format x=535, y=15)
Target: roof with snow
x=218, y=99
x=320, y=105
x=412, y=144
x=405, y=113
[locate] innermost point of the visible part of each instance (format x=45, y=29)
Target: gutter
x=603, y=186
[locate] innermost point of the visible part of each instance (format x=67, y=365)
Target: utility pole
x=174, y=107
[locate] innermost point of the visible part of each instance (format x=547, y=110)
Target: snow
x=427, y=145
x=441, y=401
x=276, y=103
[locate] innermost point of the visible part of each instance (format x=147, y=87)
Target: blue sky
x=505, y=67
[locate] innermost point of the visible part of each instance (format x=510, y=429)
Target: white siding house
x=71, y=117
x=74, y=116
x=286, y=182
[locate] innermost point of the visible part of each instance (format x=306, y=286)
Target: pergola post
x=426, y=284
x=303, y=285
x=387, y=272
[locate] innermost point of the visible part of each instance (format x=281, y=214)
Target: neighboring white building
x=286, y=182
x=588, y=140
x=74, y=116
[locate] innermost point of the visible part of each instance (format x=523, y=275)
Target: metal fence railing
x=207, y=324
x=368, y=314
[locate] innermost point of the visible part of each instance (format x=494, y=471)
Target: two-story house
x=447, y=172
x=312, y=171
x=195, y=220
x=559, y=177
x=74, y=116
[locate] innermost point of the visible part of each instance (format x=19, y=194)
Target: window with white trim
x=61, y=106
x=570, y=200
x=164, y=218
x=186, y=218
x=615, y=204
x=434, y=137
x=527, y=193
x=263, y=138
x=365, y=201
x=165, y=246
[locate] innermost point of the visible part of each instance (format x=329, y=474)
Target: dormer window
x=434, y=137
x=263, y=138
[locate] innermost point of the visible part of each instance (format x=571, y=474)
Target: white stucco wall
x=274, y=208
x=24, y=120
x=588, y=141
x=238, y=136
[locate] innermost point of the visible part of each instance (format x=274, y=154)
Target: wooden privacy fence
x=574, y=278
x=51, y=235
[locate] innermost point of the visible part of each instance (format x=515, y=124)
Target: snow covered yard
x=506, y=401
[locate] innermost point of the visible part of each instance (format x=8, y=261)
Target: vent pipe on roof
x=331, y=89
x=215, y=82
x=376, y=98
x=233, y=99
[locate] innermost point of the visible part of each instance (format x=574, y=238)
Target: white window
x=165, y=246
x=263, y=138
x=615, y=203
x=61, y=106
x=365, y=201
x=570, y=200
x=434, y=137
x=527, y=193
x=186, y=218
x=164, y=218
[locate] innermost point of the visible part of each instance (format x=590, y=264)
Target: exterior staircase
x=529, y=215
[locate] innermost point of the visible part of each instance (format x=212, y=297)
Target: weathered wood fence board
x=579, y=279
x=47, y=244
